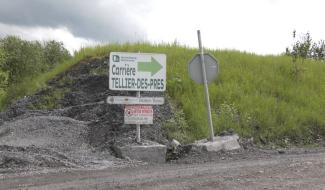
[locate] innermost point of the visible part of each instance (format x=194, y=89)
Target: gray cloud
x=101, y=20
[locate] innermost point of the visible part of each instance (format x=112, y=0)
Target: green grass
x=30, y=86
x=265, y=97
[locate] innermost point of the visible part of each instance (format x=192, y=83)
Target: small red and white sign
x=138, y=115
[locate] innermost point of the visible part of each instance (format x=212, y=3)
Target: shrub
x=21, y=62
x=26, y=59
x=55, y=53
x=304, y=48
x=3, y=74
x=23, y=59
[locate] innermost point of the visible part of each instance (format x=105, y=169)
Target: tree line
x=22, y=60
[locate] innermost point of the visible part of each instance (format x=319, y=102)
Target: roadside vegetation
x=274, y=99
x=24, y=64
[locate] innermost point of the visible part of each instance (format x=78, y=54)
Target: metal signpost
x=203, y=68
x=137, y=72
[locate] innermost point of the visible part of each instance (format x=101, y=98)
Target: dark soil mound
x=76, y=96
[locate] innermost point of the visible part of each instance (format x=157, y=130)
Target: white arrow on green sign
x=137, y=71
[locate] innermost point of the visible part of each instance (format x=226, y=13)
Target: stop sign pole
x=206, y=89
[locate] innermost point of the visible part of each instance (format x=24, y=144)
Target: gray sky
x=260, y=26
x=100, y=20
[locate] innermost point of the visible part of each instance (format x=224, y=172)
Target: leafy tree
x=304, y=48
x=300, y=48
x=23, y=58
x=318, y=50
x=3, y=75
x=26, y=59
x=54, y=53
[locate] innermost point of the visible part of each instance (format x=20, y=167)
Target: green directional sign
x=153, y=66
x=137, y=71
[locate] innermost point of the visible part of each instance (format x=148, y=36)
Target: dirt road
x=302, y=171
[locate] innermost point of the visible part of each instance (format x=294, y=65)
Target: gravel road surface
x=298, y=171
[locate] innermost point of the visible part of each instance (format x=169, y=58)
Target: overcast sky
x=259, y=26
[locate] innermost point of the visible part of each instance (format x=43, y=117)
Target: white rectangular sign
x=137, y=71
x=135, y=100
x=138, y=115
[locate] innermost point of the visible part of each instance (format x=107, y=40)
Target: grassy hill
x=265, y=97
